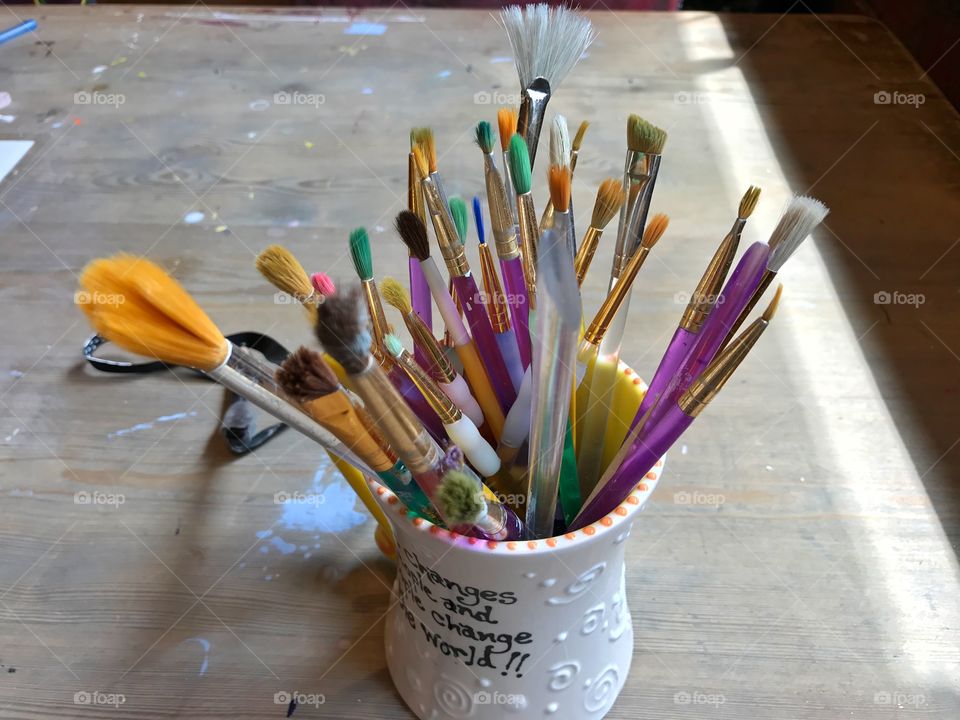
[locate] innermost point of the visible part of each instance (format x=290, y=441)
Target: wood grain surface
x=798, y=560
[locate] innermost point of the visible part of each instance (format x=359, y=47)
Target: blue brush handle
x=17, y=30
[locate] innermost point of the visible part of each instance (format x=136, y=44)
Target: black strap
x=238, y=424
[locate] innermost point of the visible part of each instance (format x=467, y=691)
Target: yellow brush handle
x=359, y=484
x=594, y=421
x=482, y=389
x=627, y=395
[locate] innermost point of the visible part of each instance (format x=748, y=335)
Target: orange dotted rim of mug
x=622, y=513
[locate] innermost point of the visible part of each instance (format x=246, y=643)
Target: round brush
x=507, y=127
x=469, y=510
x=529, y=230
x=282, y=270
x=610, y=197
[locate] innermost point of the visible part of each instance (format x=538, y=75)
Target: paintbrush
x=323, y=284
x=547, y=42
x=507, y=127
x=602, y=341
x=529, y=231
x=414, y=235
x=700, y=305
x=282, y=270
x=341, y=329
x=645, y=143
x=461, y=430
x=470, y=511
x=559, y=155
x=428, y=148
x=610, y=197
x=577, y=144
x=307, y=378
x=655, y=440
x=496, y=303
x=802, y=216
x=503, y=224
x=419, y=290
x=159, y=319
x=559, y=181
x=554, y=355
x=439, y=367
x=455, y=258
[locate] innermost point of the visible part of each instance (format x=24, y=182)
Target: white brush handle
x=464, y=434
x=448, y=311
x=458, y=391
x=516, y=428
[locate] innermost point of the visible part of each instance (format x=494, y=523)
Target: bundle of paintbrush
x=520, y=411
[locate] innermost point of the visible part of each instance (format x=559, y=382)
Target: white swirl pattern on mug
x=453, y=698
x=563, y=674
x=578, y=587
x=603, y=691
x=592, y=619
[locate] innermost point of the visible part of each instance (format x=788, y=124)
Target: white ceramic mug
x=528, y=629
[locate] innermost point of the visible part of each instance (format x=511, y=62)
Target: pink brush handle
x=458, y=391
x=422, y=304
x=519, y=304
x=471, y=301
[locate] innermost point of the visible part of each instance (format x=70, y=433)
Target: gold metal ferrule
x=378, y=319
x=395, y=420
x=501, y=216
x=443, y=406
x=639, y=174
x=714, y=377
x=705, y=294
x=423, y=337
x=601, y=321
x=454, y=254
x=588, y=246
x=496, y=301
x=414, y=193
x=529, y=239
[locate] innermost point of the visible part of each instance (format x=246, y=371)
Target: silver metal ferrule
x=533, y=109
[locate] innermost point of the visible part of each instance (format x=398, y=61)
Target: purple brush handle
x=646, y=449
x=414, y=398
x=422, y=305
x=519, y=303
x=673, y=358
x=736, y=294
x=485, y=339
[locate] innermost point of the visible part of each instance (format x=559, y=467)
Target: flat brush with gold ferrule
x=500, y=195
x=610, y=197
x=601, y=342
x=645, y=143
x=419, y=290
x=701, y=303
x=439, y=367
x=414, y=235
x=496, y=303
x=654, y=440
x=455, y=257
x=281, y=269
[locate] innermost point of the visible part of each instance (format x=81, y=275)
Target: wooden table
x=796, y=561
